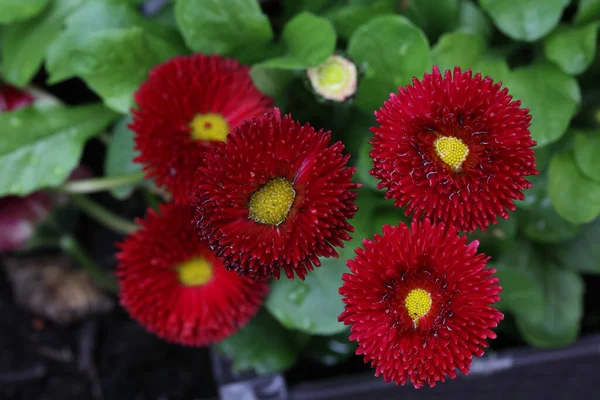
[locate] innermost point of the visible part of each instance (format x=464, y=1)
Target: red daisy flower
x=419, y=303
x=274, y=196
x=176, y=288
x=455, y=149
x=186, y=106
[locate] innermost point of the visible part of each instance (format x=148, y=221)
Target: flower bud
x=335, y=79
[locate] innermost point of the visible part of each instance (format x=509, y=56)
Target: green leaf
x=572, y=48
x=40, y=147
x=576, y=198
x=262, y=345
x=229, y=27
x=497, y=238
x=348, y=18
x=18, y=10
x=458, y=49
x=492, y=66
x=543, y=224
x=581, y=253
x=587, y=148
x=535, y=194
x=364, y=165
x=563, y=294
x=307, y=40
x=522, y=293
x=292, y=7
x=392, y=51
x=588, y=11
x=120, y=155
x=114, y=63
x=434, y=16
x=112, y=48
x=526, y=20
x=552, y=96
x=25, y=43
x=330, y=350
x=472, y=20
x=312, y=305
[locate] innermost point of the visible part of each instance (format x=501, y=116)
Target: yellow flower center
x=271, y=203
x=195, y=272
x=452, y=151
x=418, y=304
x=209, y=127
x=332, y=75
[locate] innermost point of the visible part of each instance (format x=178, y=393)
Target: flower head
x=275, y=196
x=455, y=149
x=419, y=303
x=335, y=79
x=187, y=106
x=175, y=287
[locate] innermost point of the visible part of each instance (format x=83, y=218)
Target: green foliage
x=434, y=16
x=391, y=50
x=588, y=11
x=587, y=148
x=552, y=96
x=40, y=147
x=18, y=10
x=526, y=20
x=120, y=155
x=262, y=345
x=572, y=48
x=233, y=27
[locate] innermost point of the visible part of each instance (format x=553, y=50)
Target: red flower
x=275, y=196
x=186, y=106
x=419, y=303
x=455, y=149
x=175, y=287
x=12, y=98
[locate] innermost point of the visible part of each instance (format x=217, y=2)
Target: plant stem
x=100, y=184
x=102, y=215
x=102, y=279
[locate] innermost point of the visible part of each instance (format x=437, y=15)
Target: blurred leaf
x=308, y=41
x=388, y=215
x=581, y=253
x=587, y=149
x=472, y=20
x=18, y=10
x=312, y=305
x=364, y=165
x=526, y=20
x=572, y=48
x=348, y=18
x=330, y=350
x=363, y=222
x=543, y=224
x=40, y=147
x=434, y=16
x=494, y=67
x=25, y=43
x=262, y=345
x=576, y=198
x=588, y=11
x=458, y=49
x=497, y=238
x=535, y=194
x=552, y=96
x=293, y=7
x=112, y=48
x=271, y=81
x=120, y=155
x=392, y=51
x=563, y=298
x=232, y=27
x=522, y=294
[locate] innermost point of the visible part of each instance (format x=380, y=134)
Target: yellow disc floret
x=209, y=127
x=195, y=272
x=271, y=203
x=418, y=303
x=452, y=151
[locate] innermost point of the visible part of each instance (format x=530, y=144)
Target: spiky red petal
x=175, y=92
x=485, y=118
x=456, y=327
x=255, y=153
x=152, y=293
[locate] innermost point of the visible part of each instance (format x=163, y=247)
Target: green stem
x=101, y=184
x=102, y=215
x=102, y=279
